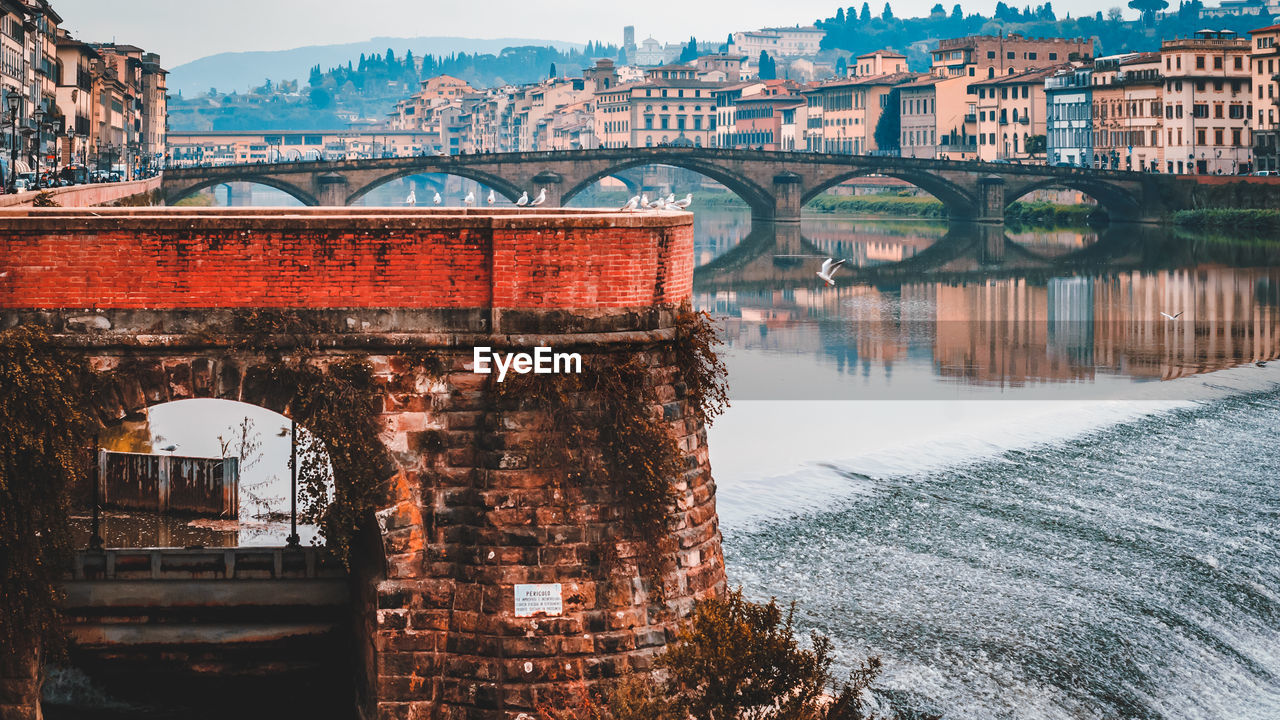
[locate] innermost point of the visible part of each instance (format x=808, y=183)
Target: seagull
x=644, y=200
x=1261, y=363
x=491, y=199
x=169, y=449
x=411, y=200
x=1171, y=317
x=829, y=268
x=436, y=199
x=524, y=199
x=685, y=202
x=631, y=205
x=671, y=198
x=656, y=204
x=542, y=197
x=469, y=200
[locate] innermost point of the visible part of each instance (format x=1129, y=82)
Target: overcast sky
x=183, y=30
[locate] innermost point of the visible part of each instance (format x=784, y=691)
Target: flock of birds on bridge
x=635, y=204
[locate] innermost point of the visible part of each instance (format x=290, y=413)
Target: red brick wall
x=323, y=259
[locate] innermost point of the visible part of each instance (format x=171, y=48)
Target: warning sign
x=534, y=599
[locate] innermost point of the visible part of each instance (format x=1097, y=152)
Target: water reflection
x=924, y=307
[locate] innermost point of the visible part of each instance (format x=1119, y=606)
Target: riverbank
x=1229, y=219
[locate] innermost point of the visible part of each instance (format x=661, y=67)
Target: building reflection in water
x=1006, y=331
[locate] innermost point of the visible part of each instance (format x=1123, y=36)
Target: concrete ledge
x=84, y=195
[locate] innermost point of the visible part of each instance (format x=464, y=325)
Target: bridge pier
x=554, y=185
x=788, y=194
x=331, y=189
x=990, y=200
x=991, y=243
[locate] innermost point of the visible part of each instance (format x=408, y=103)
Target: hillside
x=241, y=71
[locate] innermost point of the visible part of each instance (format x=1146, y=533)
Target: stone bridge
x=175, y=303
x=775, y=184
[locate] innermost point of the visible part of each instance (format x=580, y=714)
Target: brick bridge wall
x=157, y=298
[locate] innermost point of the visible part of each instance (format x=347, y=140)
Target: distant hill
x=243, y=70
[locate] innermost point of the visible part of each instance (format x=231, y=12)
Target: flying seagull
x=469, y=200
x=542, y=197
x=631, y=205
x=829, y=268
x=524, y=199
x=685, y=202
x=491, y=199
x=436, y=199
x=1171, y=317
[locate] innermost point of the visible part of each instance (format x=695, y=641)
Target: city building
x=76, y=61
x=731, y=68
x=1069, y=117
x=880, y=62
x=235, y=147
x=1265, y=57
x=671, y=107
x=1128, y=101
x=847, y=112
x=986, y=56
x=1207, y=103
x=758, y=121
x=931, y=117
x=778, y=42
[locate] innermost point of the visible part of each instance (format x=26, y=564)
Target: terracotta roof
x=1025, y=76
x=884, y=53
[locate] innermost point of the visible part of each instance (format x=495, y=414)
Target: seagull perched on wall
x=524, y=199
x=469, y=200
x=656, y=204
x=685, y=202
x=1171, y=317
x=436, y=199
x=491, y=199
x=671, y=199
x=631, y=205
x=542, y=197
x=411, y=200
x=829, y=268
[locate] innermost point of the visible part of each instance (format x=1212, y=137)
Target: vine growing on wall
x=43, y=455
x=606, y=426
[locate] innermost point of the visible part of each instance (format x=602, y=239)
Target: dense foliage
x=43, y=455
x=735, y=660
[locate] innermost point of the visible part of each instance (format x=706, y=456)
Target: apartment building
x=759, y=120
x=932, y=118
x=1265, y=59
x=987, y=56
x=1069, y=117
x=1207, y=103
x=671, y=107
x=1128, y=109
x=880, y=62
x=842, y=116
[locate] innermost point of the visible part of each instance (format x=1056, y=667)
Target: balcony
x=1024, y=120
x=958, y=147
x=971, y=117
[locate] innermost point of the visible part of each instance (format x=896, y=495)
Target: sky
x=183, y=30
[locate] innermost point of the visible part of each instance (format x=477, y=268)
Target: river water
x=990, y=460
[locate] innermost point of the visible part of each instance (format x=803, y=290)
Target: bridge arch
x=759, y=199
x=507, y=189
x=960, y=203
x=288, y=188
x=1118, y=203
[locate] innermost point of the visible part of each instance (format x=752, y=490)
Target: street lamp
x=38, y=116
x=14, y=102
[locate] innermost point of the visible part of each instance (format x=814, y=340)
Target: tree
x=842, y=67
x=840, y=16
x=316, y=77
x=889, y=128
x=938, y=12
x=887, y=15
x=767, y=70
x=957, y=13
x=866, y=12
x=690, y=52
x=552, y=72
x=320, y=98
x=1148, y=8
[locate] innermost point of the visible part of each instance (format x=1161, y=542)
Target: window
x=1235, y=137
x=1239, y=65
x=1217, y=136
x=1010, y=55
x=1217, y=62
x=1200, y=136
x=1199, y=62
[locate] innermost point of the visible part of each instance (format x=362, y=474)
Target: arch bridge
x=775, y=184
